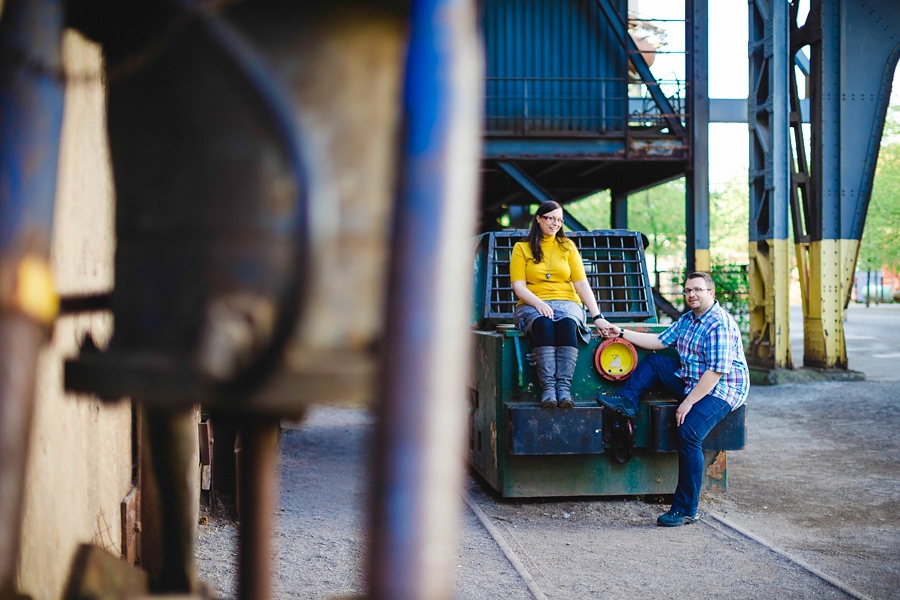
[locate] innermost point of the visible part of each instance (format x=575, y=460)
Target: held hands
x=606, y=328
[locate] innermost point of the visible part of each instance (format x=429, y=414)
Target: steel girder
x=538, y=193
x=768, y=123
x=697, y=178
x=854, y=48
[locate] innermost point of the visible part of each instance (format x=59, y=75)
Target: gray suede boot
x=566, y=357
x=544, y=359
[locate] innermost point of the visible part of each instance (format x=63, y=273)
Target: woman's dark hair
x=535, y=235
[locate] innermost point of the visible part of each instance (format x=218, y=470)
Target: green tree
x=879, y=245
x=729, y=214
x=657, y=212
x=593, y=211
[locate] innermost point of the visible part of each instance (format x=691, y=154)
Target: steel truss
x=853, y=51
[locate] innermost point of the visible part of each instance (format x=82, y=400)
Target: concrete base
x=802, y=375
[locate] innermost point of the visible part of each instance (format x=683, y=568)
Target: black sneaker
x=618, y=403
x=676, y=518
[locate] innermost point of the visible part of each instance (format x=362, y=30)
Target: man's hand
x=683, y=409
x=704, y=386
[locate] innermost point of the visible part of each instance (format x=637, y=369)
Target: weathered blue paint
x=697, y=178
x=31, y=107
x=413, y=469
x=729, y=434
x=552, y=66
x=522, y=178
x=768, y=115
x=535, y=431
x=570, y=148
x=868, y=47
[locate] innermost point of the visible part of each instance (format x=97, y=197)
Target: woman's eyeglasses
x=551, y=219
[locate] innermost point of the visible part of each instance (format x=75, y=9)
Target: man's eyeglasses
x=551, y=219
x=689, y=291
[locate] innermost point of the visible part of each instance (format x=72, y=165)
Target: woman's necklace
x=550, y=259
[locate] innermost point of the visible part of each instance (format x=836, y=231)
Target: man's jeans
x=656, y=369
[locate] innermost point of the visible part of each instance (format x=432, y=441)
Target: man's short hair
x=704, y=276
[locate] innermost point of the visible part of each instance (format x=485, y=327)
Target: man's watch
x=597, y=316
x=621, y=332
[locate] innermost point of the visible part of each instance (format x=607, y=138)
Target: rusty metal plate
x=729, y=434
x=537, y=431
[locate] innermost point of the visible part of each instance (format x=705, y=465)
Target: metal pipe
x=172, y=439
x=20, y=341
x=31, y=101
x=259, y=491
x=420, y=434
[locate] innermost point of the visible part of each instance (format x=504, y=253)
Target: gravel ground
x=818, y=480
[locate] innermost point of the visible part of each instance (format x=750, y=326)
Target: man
x=710, y=380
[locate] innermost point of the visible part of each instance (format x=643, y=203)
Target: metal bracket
x=131, y=527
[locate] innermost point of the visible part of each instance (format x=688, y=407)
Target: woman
x=548, y=278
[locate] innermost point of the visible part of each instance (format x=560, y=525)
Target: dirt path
x=819, y=480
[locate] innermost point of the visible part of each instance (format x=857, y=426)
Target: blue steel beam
x=768, y=109
x=421, y=423
x=575, y=148
x=618, y=213
x=525, y=181
x=868, y=54
x=697, y=177
x=539, y=193
x=31, y=102
x=854, y=52
x=31, y=107
x=734, y=110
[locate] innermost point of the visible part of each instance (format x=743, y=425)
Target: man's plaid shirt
x=710, y=342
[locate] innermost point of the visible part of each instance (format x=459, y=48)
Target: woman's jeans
x=656, y=369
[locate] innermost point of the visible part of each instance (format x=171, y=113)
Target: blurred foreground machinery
x=522, y=450
x=266, y=241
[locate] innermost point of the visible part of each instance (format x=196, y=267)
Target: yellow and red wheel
x=615, y=359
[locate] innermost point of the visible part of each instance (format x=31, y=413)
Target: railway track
x=711, y=520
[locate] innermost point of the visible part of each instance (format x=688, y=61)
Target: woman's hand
x=544, y=308
x=528, y=297
x=606, y=328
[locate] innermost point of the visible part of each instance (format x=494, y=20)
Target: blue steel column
x=768, y=112
x=421, y=429
x=618, y=213
x=823, y=336
x=854, y=51
x=697, y=179
x=31, y=102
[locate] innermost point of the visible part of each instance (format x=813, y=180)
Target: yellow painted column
x=769, y=305
x=702, y=261
x=828, y=279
